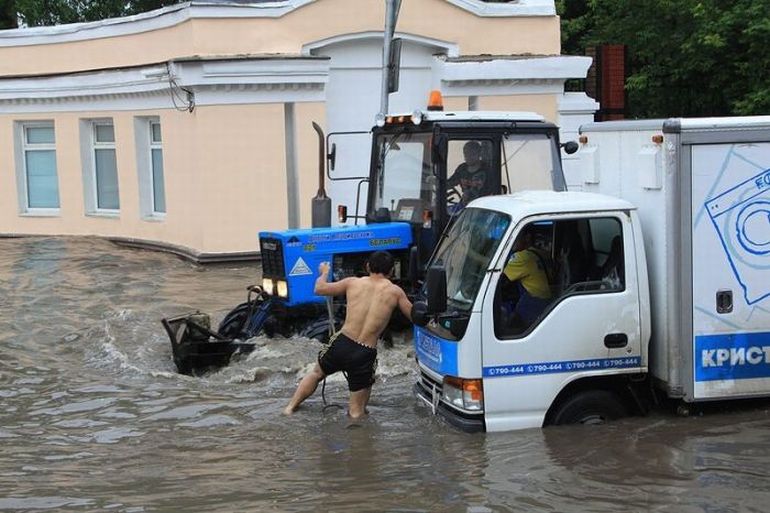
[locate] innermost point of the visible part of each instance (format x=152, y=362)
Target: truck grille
x=272, y=258
x=427, y=383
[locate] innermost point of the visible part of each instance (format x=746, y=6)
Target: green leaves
x=685, y=57
x=54, y=12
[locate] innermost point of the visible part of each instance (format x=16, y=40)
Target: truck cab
x=484, y=364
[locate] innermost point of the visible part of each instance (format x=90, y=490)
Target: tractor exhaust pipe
x=322, y=204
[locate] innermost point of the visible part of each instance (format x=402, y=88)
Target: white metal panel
x=731, y=252
x=523, y=376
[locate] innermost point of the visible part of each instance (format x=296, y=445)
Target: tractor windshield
x=404, y=182
x=466, y=251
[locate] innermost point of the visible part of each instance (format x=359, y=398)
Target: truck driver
x=529, y=270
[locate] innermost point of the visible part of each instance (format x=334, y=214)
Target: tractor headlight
x=267, y=286
x=467, y=394
x=282, y=288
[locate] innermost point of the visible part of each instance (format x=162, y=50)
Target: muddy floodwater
x=93, y=416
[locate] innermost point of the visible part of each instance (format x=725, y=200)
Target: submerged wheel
x=234, y=322
x=589, y=407
x=319, y=329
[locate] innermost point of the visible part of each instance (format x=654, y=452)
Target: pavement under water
x=95, y=418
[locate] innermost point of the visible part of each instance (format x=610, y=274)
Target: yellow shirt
x=527, y=267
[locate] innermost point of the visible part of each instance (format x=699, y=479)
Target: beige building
x=189, y=127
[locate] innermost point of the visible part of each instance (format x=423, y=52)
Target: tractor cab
x=427, y=166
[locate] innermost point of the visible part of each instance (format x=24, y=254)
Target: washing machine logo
x=741, y=216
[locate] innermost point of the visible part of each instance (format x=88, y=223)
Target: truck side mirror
x=420, y=315
x=570, y=147
x=436, y=289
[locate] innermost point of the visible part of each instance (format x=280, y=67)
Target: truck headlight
x=282, y=289
x=467, y=394
x=267, y=286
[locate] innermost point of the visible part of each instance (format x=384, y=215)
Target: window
x=469, y=172
x=551, y=260
x=150, y=169
x=529, y=161
x=156, y=164
x=105, y=167
x=39, y=184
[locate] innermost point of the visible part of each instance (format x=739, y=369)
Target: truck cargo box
x=702, y=187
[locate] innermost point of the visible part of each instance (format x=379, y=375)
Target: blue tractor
x=425, y=167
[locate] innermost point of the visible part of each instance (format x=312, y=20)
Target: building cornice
x=196, y=9
x=145, y=22
x=160, y=86
x=470, y=76
x=514, y=8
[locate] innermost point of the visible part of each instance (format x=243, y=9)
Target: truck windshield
x=404, y=182
x=466, y=251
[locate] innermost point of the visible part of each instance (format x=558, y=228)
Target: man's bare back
x=370, y=303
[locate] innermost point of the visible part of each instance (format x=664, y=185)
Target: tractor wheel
x=233, y=324
x=319, y=329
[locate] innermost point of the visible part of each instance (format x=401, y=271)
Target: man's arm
x=324, y=288
x=404, y=304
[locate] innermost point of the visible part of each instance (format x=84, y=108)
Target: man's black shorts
x=356, y=360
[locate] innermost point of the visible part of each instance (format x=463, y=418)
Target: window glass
x=42, y=182
x=529, y=162
x=155, y=129
x=158, y=189
x=105, y=133
x=40, y=135
x=469, y=172
x=553, y=260
x=404, y=183
x=107, y=196
x=466, y=251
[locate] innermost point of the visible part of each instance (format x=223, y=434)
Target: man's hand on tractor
x=323, y=268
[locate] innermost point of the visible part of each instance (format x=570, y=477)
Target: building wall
x=225, y=163
x=225, y=179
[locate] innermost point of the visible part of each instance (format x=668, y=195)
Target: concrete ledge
x=181, y=251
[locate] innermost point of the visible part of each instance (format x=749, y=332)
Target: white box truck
x=562, y=307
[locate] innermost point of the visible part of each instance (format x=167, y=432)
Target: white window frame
x=89, y=145
x=144, y=146
x=22, y=147
x=156, y=145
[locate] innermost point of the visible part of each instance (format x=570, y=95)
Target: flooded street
x=95, y=418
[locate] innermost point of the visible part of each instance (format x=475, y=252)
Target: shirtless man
x=370, y=303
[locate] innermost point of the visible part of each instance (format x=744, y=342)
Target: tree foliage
x=7, y=14
x=34, y=13
x=685, y=57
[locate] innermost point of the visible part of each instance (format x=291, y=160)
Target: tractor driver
x=370, y=302
x=472, y=175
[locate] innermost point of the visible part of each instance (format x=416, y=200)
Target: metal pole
x=292, y=176
x=391, y=15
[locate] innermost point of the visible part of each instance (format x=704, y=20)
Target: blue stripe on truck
x=731, y=357
x=524, y=369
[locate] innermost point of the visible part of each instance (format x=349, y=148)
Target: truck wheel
x=589, y=407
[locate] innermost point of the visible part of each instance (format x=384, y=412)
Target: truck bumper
x=470, y=423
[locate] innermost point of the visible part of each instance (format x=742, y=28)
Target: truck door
x=562, y=304
x=730, y=266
